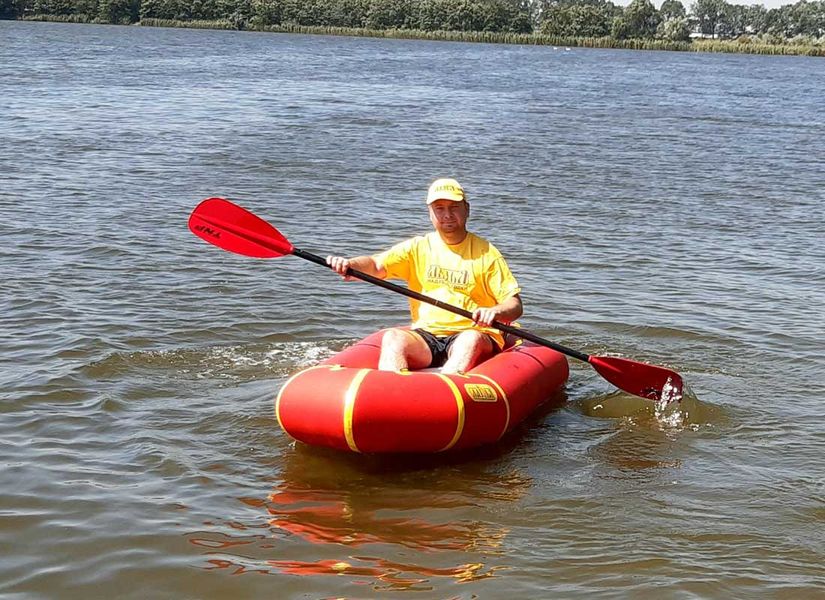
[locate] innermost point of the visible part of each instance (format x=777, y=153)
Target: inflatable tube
x=346, y=403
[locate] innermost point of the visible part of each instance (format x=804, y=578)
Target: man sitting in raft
x=456, y=267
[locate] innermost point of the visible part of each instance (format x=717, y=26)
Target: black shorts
x=439, y=346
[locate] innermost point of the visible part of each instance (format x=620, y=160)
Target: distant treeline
x=800, y=24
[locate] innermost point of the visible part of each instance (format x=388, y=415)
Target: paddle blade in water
x=235, y=229
x=640, y=379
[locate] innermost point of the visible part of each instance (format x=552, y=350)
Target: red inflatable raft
x=347, y=404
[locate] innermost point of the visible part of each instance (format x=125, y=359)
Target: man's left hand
x=485, y=316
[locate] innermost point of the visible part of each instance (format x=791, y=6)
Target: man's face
x=449, y=217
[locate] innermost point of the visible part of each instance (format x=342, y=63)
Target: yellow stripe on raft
x=349, y=407
x=503, y=397
x=459, y=429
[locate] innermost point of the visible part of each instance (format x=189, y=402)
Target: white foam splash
x=668, y=407
x=243, y=362
x=670, y=393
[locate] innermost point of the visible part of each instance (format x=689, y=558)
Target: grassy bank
x=742, y=46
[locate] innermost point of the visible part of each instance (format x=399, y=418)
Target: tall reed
x=741, y=45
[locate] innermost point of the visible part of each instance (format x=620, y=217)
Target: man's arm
x=506, y=312
x=365, y=264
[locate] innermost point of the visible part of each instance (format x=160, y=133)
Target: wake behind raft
x=346, y=403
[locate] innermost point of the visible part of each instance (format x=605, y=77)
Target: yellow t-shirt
x=469, y=275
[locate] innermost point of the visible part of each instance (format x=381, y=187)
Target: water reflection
x=400, y=522
x=324, y=517
x=647, y=440
x=392, y=575
x=637, y=453
x=688, y=413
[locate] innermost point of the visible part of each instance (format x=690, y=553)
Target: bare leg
x=402, y=349
x=468, y=349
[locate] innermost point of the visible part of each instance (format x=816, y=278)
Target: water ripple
x=665, y=207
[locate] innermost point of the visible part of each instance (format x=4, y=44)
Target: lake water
x=665, y=207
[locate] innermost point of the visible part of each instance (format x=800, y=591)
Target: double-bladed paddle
x=235, y=229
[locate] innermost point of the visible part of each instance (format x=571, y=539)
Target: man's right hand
x=362, y=264
x=340, y=265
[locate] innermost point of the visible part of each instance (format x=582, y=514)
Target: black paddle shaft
x=448, y=307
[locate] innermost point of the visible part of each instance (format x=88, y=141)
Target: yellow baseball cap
x=445, y=189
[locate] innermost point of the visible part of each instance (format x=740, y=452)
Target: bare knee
x=395, y=339
x=472, y=340
x=402, y=349
x=469, y=348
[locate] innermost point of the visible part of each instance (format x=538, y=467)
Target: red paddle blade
x=235, y=229
x=640, y=379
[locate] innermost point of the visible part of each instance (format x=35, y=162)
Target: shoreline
x=735, y=46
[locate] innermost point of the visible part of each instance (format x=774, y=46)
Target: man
x=456, y=267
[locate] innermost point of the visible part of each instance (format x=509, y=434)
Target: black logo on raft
x=208, y=231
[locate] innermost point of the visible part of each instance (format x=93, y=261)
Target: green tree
x=778, y=22
x=672, y=9
x=756, y=18
x=498, y=15
x=807, y=18
x=13, y=9
x=521, y=20
x=87, y=8
x=578, y=20
x=676, y=29
x=156, y=9
x=388, y=14
x=241, y=13
x=265, y=12
x=428, y=15
x=733, y=21
x=639, y=20
x=206, y=9
x=556, y=20
x=464, y=15
x=53, y=7
x=121, y=12
x=708, y=13
x=348, y=13
x=312, y=12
